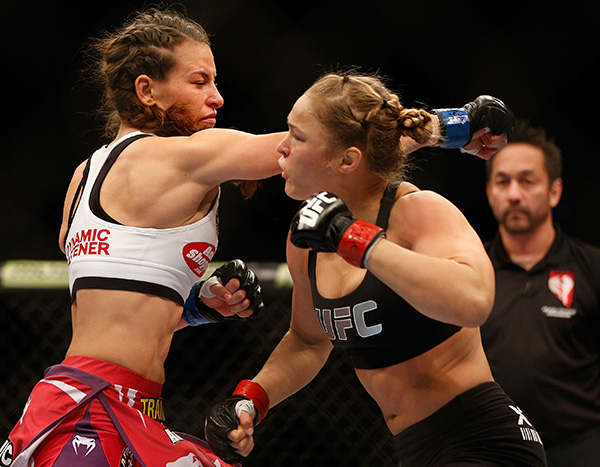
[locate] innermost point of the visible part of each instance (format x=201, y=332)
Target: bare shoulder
x=157, y=148
x=415, y=204
x=423, y=214
x=214, y=155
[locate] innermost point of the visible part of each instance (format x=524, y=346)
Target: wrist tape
x=455, y=127
x=256, y=394
x=357, y=242
x=194, y=306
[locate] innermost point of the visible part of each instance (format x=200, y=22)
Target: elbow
x=479, y=297
x=478, y=308
x=476, y=316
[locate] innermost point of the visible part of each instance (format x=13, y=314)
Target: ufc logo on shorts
x=313, y=208
x=336, y=322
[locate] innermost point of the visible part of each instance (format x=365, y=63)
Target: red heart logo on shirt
x=562, y=284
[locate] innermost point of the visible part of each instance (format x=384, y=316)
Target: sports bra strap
x=74, y=201
x=95, y=206
x=385, y=207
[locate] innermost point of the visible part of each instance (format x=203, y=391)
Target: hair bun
x=411, y=118
x=415, y=124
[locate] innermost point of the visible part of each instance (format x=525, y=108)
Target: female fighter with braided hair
x=393, y=275
x=140, y=227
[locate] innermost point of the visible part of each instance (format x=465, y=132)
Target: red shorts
x=89, y=412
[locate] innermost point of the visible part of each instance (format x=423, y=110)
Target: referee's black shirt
x=542, y=338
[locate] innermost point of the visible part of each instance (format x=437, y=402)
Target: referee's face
x=519, y=189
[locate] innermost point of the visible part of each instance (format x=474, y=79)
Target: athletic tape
x=205, y=289
x=244, y=406
x=457, y=128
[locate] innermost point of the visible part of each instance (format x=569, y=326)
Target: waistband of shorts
x=469, y=401
x=115, y=374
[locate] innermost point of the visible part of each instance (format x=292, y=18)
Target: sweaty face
x=305, y=155
x=519, y=190
x=191, y=83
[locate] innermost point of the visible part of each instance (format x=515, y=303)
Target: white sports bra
x=104, y=254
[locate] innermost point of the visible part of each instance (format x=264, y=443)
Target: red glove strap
x=356, y=241
x=256, y=394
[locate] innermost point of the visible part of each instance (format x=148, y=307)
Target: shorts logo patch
x=153, y=407
x=197, y=256
x=528, y=432
x=562, y=284
x=174, y=437
x=126, y=458
x=83, y=445
x=6, y=453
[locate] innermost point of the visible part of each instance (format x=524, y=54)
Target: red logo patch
x=562, y=284
x=197, y=256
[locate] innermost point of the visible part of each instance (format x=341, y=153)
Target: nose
x=514, y=191
x=215, y=100
x=283, y=146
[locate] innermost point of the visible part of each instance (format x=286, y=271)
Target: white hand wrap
x=205, y=289
x=245, y=405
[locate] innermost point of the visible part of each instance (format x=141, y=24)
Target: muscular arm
x=215, y=156
x=296, y=360
x=304, y=349
x=442, y=269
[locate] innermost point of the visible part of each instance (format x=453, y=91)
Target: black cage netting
x=331, y=422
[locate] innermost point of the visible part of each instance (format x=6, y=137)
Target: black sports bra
x=374, y=325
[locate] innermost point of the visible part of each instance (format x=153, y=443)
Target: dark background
x=540, y=59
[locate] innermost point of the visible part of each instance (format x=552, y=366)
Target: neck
x=526, y=249
x=124, y=130
x=363, y=199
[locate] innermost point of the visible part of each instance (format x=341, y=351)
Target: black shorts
x=482, y=426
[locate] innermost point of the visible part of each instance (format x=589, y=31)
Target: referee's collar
x=556, y=254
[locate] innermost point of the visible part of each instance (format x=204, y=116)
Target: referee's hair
x=527, y=133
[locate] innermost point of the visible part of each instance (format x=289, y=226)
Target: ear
x=143, y=90
x=350, y=160
x=556, y=188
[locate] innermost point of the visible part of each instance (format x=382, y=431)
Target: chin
x=518, y=227
x=294, y=193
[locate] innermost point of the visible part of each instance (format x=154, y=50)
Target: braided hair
x=359, y=110
x=144, y=45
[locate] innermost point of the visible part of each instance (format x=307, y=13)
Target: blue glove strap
x=457, y=128
x=191, y=313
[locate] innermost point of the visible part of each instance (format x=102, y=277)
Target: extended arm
x=296, y=360
x=214, y=156
x=304, y=349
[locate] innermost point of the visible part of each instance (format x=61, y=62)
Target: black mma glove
x=224, y=417
x=195, y=312
x=324, y=223
x=458, y=125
